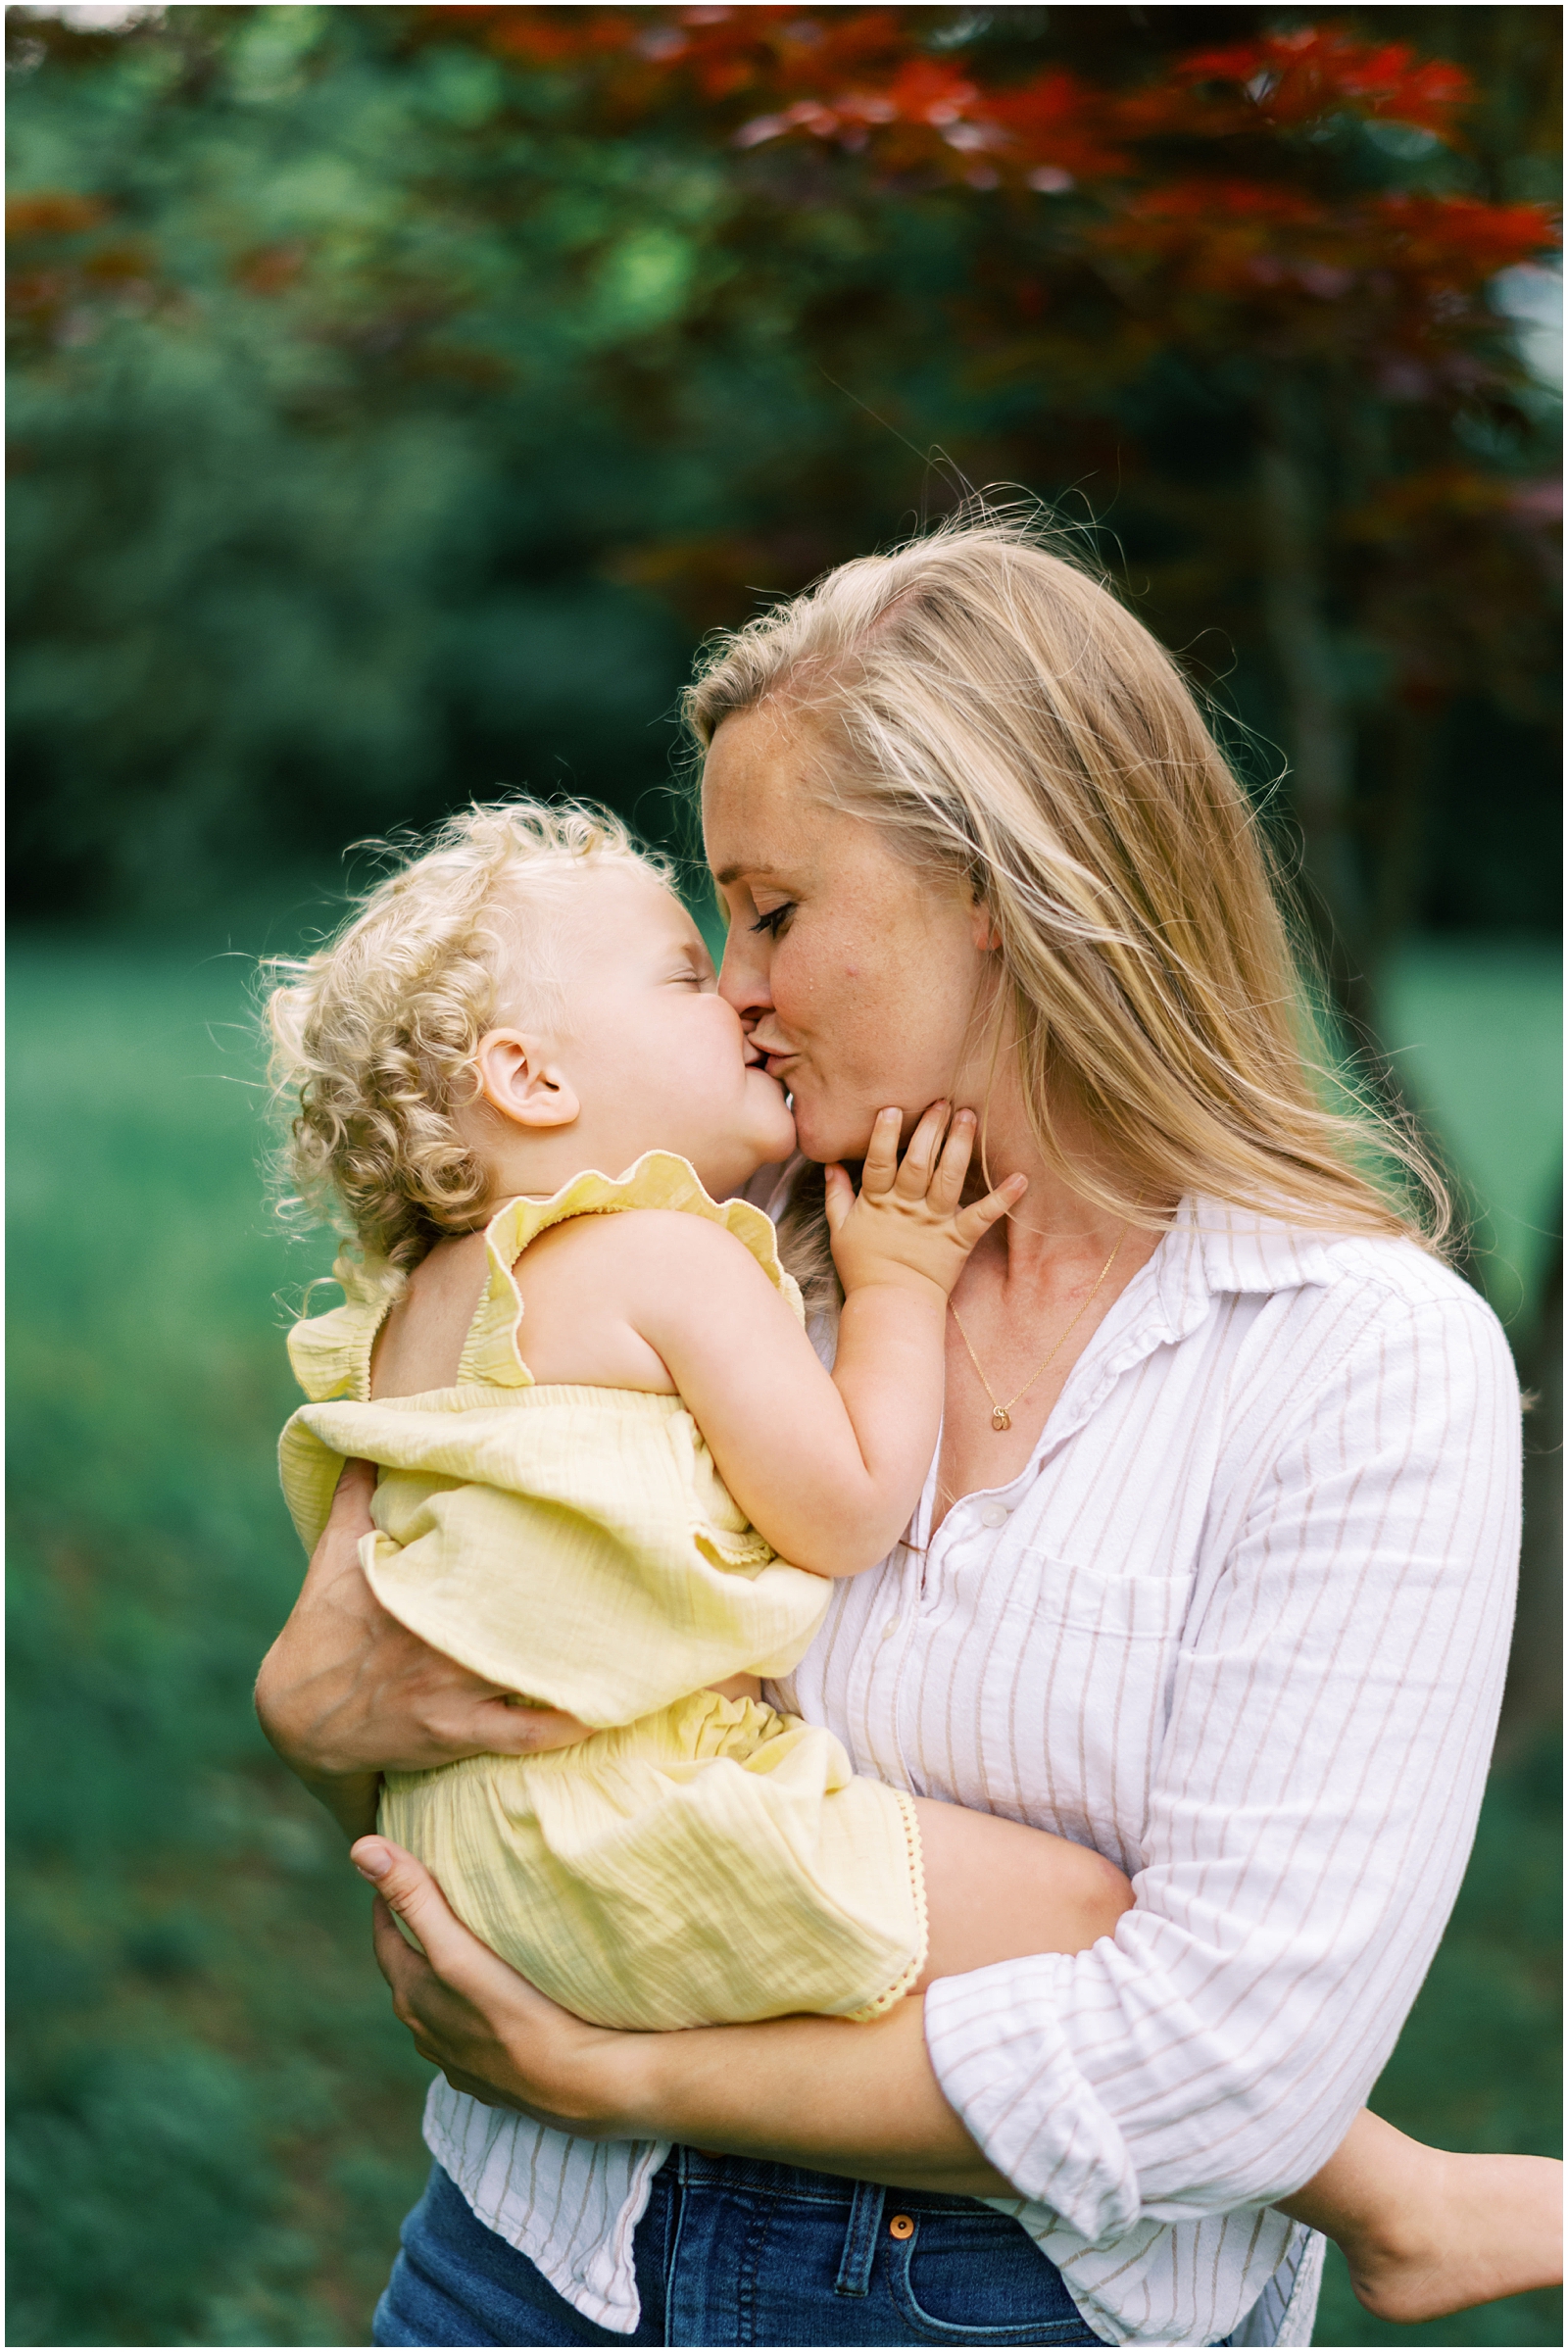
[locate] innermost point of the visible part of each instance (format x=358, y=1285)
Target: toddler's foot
x=1490, y=2226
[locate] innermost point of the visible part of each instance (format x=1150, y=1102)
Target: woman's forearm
x=816, y=2091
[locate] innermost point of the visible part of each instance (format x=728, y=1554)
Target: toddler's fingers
x=840, y=1195
x=914, y=1173
x=947, y=1184
x=983, y=1214
x=881, y=1163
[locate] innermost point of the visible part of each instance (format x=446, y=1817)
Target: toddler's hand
x=906, y=1219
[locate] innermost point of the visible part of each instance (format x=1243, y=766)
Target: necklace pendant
x=1001, y=1418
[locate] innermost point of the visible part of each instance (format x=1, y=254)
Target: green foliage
x=287, y=580
x=393, y=408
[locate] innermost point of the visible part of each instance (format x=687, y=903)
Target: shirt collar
x=1210, y=1247
x=1214, y=1249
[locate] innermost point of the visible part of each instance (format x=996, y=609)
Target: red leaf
x=1303, y=77
x=1459, y=239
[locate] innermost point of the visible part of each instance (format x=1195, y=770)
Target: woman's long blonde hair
x=1005, y=720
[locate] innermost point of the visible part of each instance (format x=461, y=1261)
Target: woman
x=1212, y=1571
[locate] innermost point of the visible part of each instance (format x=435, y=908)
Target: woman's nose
x=743, y=975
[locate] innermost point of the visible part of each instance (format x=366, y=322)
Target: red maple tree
x=1207, y=210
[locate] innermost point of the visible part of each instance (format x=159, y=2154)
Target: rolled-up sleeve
x=1331, y=1712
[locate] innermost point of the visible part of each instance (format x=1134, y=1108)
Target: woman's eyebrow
x=732, y=873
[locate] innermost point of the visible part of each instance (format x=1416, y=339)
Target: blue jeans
x=736, y=2252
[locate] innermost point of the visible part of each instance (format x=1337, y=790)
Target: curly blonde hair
x=373, y=1037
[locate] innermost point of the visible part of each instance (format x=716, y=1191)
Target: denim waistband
x=737, y=2250
x=704, y=2168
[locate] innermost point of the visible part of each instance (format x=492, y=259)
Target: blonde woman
x=1211, y=1572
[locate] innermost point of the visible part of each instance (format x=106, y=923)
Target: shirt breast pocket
x=1086, y=1667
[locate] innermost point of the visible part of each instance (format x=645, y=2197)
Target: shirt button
x=994, y=1515
x=900, y=2226
x=890, y=1629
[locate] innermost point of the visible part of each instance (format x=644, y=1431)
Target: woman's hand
x=346, y=1693
x=859, y=2101
x=488, y=2028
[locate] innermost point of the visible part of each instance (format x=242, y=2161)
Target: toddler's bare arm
x=829, y=1469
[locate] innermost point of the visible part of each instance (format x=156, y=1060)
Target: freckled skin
x=868, y=991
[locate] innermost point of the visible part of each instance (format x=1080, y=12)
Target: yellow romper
x=699, y=1860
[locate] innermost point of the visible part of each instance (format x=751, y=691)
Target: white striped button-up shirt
x=1241, y=1624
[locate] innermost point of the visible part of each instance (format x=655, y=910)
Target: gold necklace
x=1001, y=1414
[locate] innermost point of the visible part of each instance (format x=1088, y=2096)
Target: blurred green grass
x=1475, y=1026
x=215, y=2118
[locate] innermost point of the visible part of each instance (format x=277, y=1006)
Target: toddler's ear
x=518, y=1078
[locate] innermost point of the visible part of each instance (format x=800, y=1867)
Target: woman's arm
x=346, y=1693
x=856, y=2099
x=1330, y=1715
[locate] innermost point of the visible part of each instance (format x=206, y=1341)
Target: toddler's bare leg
x=995, y=1890
x=1426, y=2233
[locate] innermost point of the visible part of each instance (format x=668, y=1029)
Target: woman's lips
x=771, y=1058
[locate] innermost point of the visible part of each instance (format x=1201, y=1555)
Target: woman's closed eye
x=773, y=920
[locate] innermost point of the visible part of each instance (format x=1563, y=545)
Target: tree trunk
x=1320, y=737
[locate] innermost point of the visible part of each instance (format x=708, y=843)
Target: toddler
x=615, y=1478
